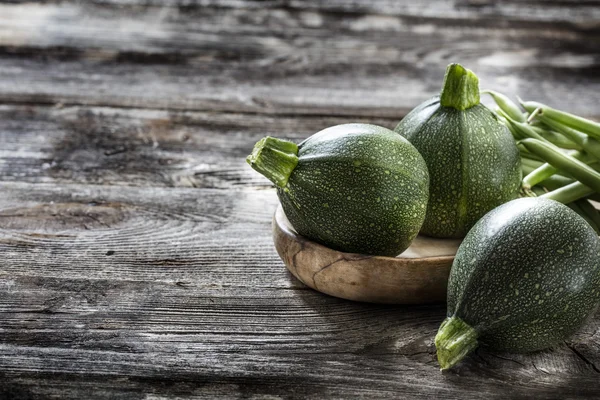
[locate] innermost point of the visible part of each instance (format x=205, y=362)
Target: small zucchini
x=525, y=277
x=356, y=188
x=474, y=164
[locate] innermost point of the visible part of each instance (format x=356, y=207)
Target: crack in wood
x=294, y=263
x=506, y=359
x=333, y=263
x=271, y=112
x=478, y=354
x=582, y=357
x=540, y=370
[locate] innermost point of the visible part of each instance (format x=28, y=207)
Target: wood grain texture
x=285, y=59
x=137, y=258
x=417, y=276
x=140, y=147
x=570, y=11
x=132, y=291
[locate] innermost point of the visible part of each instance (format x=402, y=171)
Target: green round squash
x=474, y=164
x=526, y=277
x=356, y=188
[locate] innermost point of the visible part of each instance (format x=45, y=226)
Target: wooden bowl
x=417, y=276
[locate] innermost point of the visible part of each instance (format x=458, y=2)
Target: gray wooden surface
x=137, y=260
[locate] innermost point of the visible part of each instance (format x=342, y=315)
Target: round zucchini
x=356, y=188
x=525, y=278
x=474, y=164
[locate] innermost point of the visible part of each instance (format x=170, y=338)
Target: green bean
x=551, y=183
x=526, y=170
x=536, y=122
x=506, y=105
x=594, y=196
x=556, y=138
x=556, y=181
x=571, y=192
x=533, y=114
x=504, y=118
x=559, y=160
x=538, y=175
x=524, y=130
x=589, y=144
x=535, y=191
x=538, y=191
x=584, y=125
x=530, y=163
x=527, y=155
x=546, y=170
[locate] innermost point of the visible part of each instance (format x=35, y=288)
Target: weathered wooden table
x=136, y=249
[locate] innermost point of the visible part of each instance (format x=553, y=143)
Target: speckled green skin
x=358, y=188
x=526, y=276
x=474, y=164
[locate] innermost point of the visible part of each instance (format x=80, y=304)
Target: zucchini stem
x=275, y=159
x=533, y=115
x=460, y=89
x=454, y=340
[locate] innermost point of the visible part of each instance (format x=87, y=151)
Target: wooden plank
x=579, y=12
x=129, y=287
x=125, y=291
x=136, y=147
x=151, y=233
x=280, y=61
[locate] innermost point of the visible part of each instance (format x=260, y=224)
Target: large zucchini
x=473, y=162
x=524, y=278
x=357, y=188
